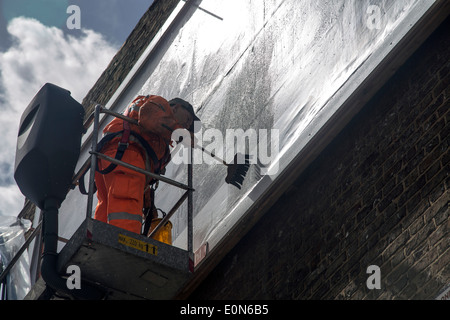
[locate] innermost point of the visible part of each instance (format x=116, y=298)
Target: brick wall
x=378, y=195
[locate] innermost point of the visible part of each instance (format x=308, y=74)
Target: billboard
x=264, y=77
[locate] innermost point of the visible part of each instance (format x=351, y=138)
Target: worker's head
x=183, y=113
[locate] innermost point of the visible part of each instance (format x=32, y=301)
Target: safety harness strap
x=126, y=134
x=123, y=145
x=119, y=153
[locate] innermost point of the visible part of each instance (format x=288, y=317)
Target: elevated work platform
x=124, y=264
x=127, y=265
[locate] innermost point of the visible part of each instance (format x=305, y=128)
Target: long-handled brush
x=237, y=170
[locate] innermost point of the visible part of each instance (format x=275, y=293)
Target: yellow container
x=164, y=234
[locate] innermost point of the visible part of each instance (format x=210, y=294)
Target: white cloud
x=41, y=54
x=11, y=199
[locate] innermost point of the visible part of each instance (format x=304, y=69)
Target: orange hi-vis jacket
x=120, y=192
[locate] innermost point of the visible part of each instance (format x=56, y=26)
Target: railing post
x=93, y=161
x=190, y=219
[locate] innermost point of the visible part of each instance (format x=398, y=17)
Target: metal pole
x=93, y=161
x=170, y=214
x=190, y=216
x=120, y=116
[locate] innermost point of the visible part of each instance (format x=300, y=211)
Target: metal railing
x=93, y=160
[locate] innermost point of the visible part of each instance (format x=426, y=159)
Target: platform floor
x=128, y=265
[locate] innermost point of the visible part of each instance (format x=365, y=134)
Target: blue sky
x=36, y=47
x=114, y=19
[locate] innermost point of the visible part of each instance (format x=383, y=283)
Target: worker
x=120, y=191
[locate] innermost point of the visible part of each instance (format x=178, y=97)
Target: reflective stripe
x=124, y=216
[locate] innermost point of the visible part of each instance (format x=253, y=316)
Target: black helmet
x=186, y=105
